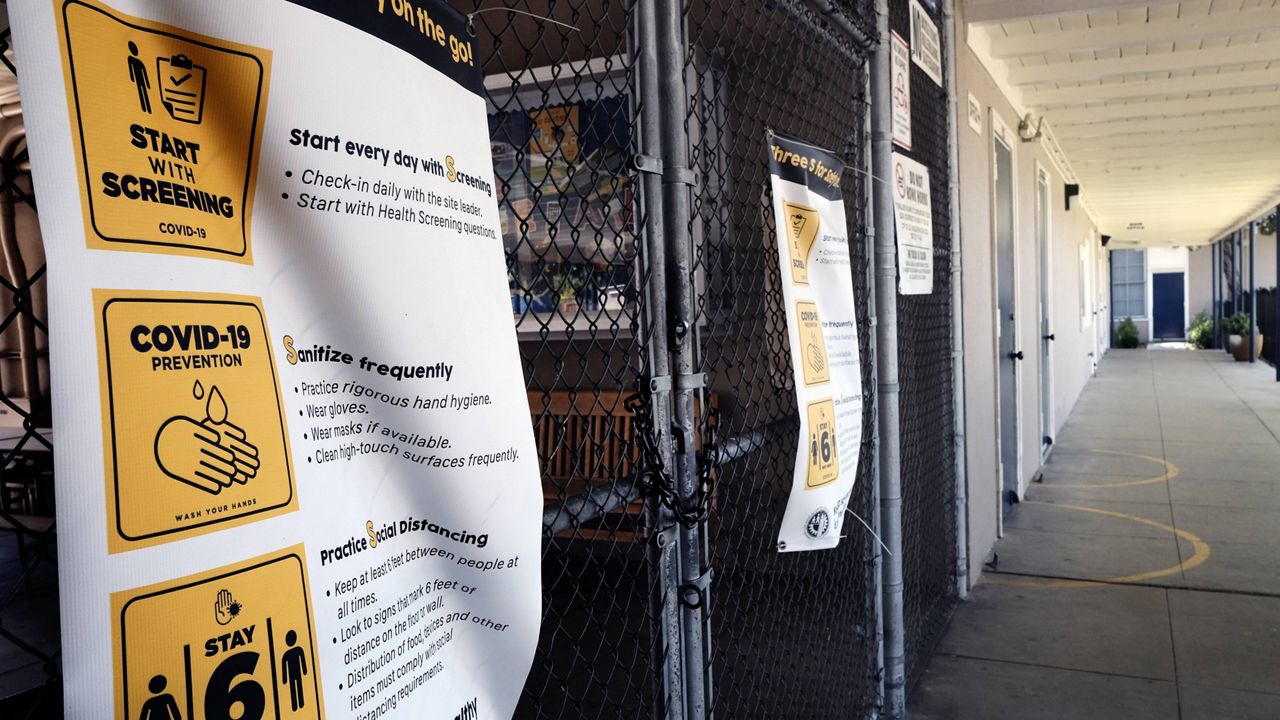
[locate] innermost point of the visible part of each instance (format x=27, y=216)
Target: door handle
x=1051, y=336
x=1015, y=355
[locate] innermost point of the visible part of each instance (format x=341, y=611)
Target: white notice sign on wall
x=975, y=114
x=296, y=470
x=901, y=115
x=913, y=218
x=926, y=48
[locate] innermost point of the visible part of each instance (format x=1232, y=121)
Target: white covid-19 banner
x=822, y=332
x=296, y=471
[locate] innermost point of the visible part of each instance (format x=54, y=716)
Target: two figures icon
x=293, y=668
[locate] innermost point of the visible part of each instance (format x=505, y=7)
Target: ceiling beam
x=1170, y=178
x=1172, y=186
x=1242, y=54
x=1252, y=21
x=1174, y=124
x=1264, y=150
x=1151, y=88
x=985, y=12
x=1176, y=195
x=1165, y=108
x=1179, y=142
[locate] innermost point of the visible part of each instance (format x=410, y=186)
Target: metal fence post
x=1237, y=271
x=1215, y=271
x=889, y=451
x=957, y=307
x=662, y=556
x=878, y=556
x=1253, y=292
x=677, y=180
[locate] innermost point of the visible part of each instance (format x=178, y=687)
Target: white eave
x=1166, y=113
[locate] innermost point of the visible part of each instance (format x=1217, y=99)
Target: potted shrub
x=1200, y=334
x=1127, y=334
x=1238, y=326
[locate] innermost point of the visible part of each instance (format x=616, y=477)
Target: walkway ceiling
x=1166, y=113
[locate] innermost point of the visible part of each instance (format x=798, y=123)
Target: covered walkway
x=1141, y=577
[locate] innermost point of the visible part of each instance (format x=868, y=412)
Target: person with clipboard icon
x=181, y=88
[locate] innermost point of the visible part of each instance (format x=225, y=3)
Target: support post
x=887, y=418
x=1231, y=288
x=665, y=660
x=1213, y=292
x=872, y=188
x=677, y=181
x=1275, y=298
x=961, y=505
x=1237, y=258
x=1253, y=293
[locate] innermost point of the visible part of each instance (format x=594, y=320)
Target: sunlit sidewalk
x=1141, y=577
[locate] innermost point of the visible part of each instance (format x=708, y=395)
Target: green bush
x=1127, y=333
x=1200, y=333
x=1238, y=324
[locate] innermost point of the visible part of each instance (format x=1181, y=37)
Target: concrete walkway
x=1164, y=486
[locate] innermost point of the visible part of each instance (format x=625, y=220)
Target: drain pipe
x=872, y=190
x=886, y=291
x=957, y=306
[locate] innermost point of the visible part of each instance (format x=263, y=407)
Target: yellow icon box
x=193, y=419
x=824, y=456
x=240, y=637
x=800, y=224
x=813, y=348
x=167, y=126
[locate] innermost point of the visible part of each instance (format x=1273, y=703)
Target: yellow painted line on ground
x=1171, y=471
x=1201, y=553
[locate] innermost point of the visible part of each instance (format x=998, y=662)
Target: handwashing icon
x=209, y=454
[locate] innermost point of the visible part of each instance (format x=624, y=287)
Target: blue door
x=1167, y=306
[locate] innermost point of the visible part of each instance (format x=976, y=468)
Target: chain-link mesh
x=794, y=634
x=30, y=672
x=563, y=131
x=925, y=379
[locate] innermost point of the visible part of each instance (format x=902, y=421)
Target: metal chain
x=651, y=474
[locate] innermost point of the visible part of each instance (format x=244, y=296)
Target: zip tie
x=873, y=532
x=471, y=25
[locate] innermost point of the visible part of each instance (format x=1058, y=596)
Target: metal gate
x=925, y=379
x=666, y=421
x=629, y=150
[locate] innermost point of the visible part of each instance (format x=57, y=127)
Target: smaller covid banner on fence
x=296, y=470
x=822, y=330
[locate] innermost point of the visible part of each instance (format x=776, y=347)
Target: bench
x=586, y=439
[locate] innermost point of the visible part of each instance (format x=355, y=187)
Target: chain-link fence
x=595, y=289
x=30, y=677
x=794, y=634
x=789, y=635
x=925, y=379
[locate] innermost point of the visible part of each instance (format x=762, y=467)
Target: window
x=560, y=142
x=1129, y=283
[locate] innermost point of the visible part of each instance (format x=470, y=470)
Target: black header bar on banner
x=803, y=164
x=430, y=30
